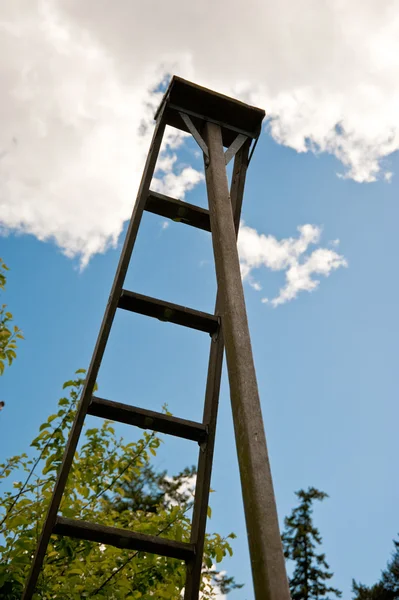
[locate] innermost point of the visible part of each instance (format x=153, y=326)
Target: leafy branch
x=8, y=334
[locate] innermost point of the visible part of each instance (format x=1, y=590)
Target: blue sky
x=80, y=87
x=326, y=361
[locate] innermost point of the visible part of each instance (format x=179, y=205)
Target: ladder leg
x=267, y=560
x=96, y=360
x=204, y=470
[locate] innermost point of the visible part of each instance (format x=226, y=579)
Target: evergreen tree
x=151, y=491
x=388, y=586
x=375, y=592
x=300, y=539
x=390, y=577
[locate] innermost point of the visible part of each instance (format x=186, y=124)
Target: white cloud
x=289, y=255
x=165, y=225
x=177, y=184
x=185, y=490
x=78, y=82
x=172, y=183
x=254, y=284
x=74, y=135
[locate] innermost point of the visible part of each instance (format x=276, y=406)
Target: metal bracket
x=252, y=149
x=196, y=135
x=234, y=148
x=215, y=335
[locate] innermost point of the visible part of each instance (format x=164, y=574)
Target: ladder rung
x=178, y=210
x=122, y=538
x=166, y=311
x=147, y=419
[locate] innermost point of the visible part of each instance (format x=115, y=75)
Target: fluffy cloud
x=74, y=136
x=287, y=255
x=172, y=183
x=79, y=83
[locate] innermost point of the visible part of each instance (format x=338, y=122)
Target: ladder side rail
x=94, y=367
x=265, y=547
x=204, y=470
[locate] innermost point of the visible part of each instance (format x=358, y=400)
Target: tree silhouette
x=300, y=540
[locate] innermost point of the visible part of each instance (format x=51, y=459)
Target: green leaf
x=49, y=463
x=135, y=501
x=209, y=512
x=19, y=520
x=68, y=384
x=91, y=432
x=179, y=533
x=208, y=561
x=219, y=554
x=73, y=572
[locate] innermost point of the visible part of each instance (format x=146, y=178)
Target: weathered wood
x=234, y=147
x=166, y=311
x=214, y=120
x=172, y=115
x=204, y=470
x=195, y=133
x=147, y=419
x=95, y=363
x=207, y=105
x=178, y=211
x=122, y=538
x=267, y=560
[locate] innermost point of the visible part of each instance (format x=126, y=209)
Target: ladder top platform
x=202, y=104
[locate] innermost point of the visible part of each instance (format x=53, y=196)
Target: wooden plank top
x=202, y=104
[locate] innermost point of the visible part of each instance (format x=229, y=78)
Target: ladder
x=215, y=121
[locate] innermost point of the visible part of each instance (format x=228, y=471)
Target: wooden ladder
x=214, y=121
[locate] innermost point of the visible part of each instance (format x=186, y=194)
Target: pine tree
x=300, y=539
x=151, y=491
x=390, y=577
x=375, y=592
x=388, y=586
